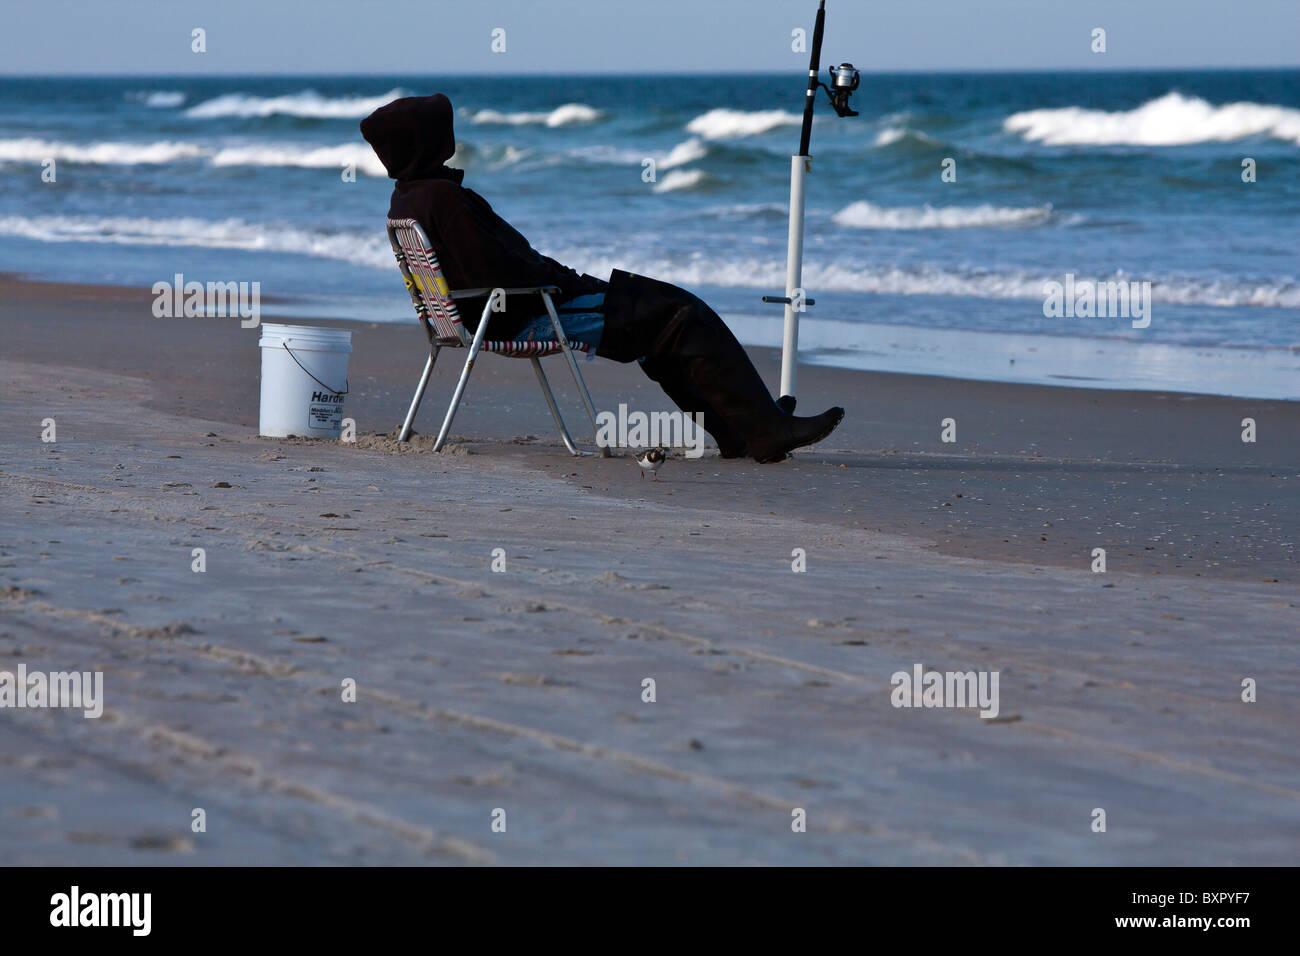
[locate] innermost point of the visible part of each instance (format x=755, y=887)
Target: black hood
x=413, y=137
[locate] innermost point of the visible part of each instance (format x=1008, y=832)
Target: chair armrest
x=475, y=293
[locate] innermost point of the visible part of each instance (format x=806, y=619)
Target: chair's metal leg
x=577, y=374
x=464, y=376
x=555, y=409
x=405, y=433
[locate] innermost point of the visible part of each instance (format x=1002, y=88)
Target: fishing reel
x=844, y=80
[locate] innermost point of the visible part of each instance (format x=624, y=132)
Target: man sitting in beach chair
x=676, y=338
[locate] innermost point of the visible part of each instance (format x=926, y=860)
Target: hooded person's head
x=413, y=137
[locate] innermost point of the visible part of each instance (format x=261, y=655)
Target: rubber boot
x=720, y=372
x=681, y=339
x=670, y=376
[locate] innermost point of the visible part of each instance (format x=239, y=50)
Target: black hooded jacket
x=414, y=138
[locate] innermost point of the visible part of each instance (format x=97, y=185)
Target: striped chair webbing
x=433, y=302
x=535, y=349
x=425, y=282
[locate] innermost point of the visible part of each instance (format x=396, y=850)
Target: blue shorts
x=582, y=319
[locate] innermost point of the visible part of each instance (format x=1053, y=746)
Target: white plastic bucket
x=304, y=380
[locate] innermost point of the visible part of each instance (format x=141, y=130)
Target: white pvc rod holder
x=793, y=276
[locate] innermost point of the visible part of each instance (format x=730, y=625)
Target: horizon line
x=965, y=71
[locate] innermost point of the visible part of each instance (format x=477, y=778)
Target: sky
x=438, y=37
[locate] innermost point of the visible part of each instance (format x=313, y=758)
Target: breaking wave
x=894, y=134
x=158, y=99
x=570, y=114
x=287, y=154
x=133, y=154
x=865, y=215
x=926, y=280
x=359, y=248
x=370, y=248
x=307, y=104
x=681, y=179
x=324, y=157
x=748, y=210
x=725, y=124
x=1170, y=120
x=681, y=154
x=104, y=154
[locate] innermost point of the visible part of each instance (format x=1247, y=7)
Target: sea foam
x=159, y=153
x=370, y=248
x=158, y=99
x=361, y=156
x=685, y=152
x=725, y=123
x=865, y=215
x=570, y=114
x=680, y=179
x=307, y=104
x=1170, y=120
x=105, y=154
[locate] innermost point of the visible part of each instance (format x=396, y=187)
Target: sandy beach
x=522, y=690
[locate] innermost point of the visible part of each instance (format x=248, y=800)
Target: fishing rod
x=844, y=80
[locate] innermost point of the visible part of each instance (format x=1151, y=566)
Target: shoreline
x=1049, y=359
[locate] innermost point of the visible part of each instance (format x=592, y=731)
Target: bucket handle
x=346, y=383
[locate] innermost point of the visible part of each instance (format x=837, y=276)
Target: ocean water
x=1103, y=176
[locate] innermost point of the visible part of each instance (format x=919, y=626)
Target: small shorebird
x=650, y=460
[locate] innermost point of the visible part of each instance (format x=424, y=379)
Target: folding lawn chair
x=435, y=305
